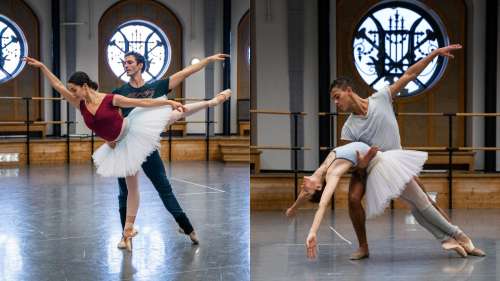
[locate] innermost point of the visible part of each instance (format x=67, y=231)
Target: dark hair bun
x=80, y=78
x=93, y=85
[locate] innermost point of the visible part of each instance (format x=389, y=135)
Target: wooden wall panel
x=54, y=151
x=470, y=191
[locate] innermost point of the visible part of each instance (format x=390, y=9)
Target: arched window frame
x=379, y=68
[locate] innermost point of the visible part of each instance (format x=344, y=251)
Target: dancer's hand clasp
x=178, y=106
x=111, y=144
x=364, y=160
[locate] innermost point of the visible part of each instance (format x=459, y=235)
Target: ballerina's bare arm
x=307, y=190
x=54, y=81
x=319, y=173
x=336, y=170
x=122, y=101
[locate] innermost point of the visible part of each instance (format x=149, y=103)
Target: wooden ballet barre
x=467, y=148
x=34, y=122
x=11, y=98
x=400, y=113
x=276, y=112
x=277, y=147
x=332, y=113
x=12, y=122
x=42, y=98
x=427, y=148
x=421, y=113
x=29, y=98
x=53, y=122
x=186, y=122
x=477, y=114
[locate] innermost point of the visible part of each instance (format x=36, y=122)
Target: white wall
x=238, y=9
x=41, y=8
x=311, y=126
x=475, y=74
x=190, y=13
x=272, y=82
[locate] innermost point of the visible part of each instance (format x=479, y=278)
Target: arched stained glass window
x=145, y=38
x=392, y=36
x=13, y=47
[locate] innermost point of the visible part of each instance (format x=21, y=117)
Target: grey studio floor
x=399, y=248
x=62, y=223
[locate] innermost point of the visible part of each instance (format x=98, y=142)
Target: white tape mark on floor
x=341, y=237
x=197, y=184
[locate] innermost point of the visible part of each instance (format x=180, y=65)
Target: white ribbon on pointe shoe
x=455, y=246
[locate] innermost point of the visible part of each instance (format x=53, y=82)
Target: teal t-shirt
x=149, y=90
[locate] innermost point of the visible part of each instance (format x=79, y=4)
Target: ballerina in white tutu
x=389, y=173
x=129, y=140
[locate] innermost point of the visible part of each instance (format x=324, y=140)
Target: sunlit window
x=13, y=48
x=392, y=36
x=142, y=37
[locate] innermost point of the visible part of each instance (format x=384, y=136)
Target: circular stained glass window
x=142, y=37
x=394, y=35
x=13, y=47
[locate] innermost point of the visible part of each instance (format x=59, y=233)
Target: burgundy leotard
x=107, y=121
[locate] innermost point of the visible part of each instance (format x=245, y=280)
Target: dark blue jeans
x=155, y=171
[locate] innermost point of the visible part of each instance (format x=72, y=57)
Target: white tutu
x=140, y=138
x=388, y=174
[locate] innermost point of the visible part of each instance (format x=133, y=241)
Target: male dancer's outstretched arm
x=413, y=71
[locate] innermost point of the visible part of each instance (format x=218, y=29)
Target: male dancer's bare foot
x=220, y=98
x=469, y=247
x=452, y=244
x=361, y=253
x=194, y=238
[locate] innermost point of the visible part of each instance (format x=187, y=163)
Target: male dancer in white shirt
x=373, y=122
